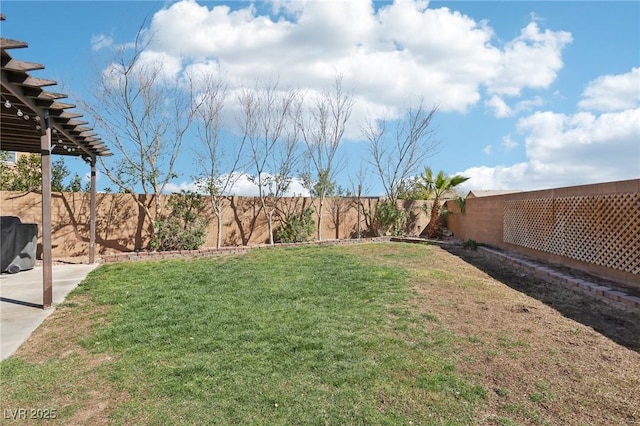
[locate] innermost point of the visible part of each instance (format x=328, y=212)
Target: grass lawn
x=311, y=335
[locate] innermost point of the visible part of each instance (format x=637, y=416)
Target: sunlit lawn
x=286, y=336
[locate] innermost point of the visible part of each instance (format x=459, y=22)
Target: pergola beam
x=62, y=131
x=15, y=65
x=6, y=84
x=7, y=43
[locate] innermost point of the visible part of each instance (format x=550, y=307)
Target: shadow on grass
x=618, y=324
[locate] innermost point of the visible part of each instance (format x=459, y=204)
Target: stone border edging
x=549, y=274
x=553, y=276
x=226, y=251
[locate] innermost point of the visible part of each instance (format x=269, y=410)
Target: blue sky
x=532, y=94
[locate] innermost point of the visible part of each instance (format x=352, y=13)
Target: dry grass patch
x=540, y=366
x=68, y=377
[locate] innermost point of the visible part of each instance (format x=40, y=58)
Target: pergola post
x=47, y=263
x=29, y=117
x=92, y=208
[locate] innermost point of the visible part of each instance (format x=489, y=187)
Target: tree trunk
x=270, y=227
x=146, y=215
x=217, y=211
x=359, y=225
x=320, y=220
x=219, y=239
x=434, y=230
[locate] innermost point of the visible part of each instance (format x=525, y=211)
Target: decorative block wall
x=121, y=226
x=601, y=229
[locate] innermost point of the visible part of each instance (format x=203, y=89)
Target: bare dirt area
x=547, y=355
x=618, y=323
x=87, y=393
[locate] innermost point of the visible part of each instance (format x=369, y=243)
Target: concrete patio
x=21, y=301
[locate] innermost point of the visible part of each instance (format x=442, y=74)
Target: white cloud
x=569, y=149
x=297, y=189
x=487, y=149
x=168, y=68
x=392, y=55
x=86, y=178
x=508, y=143
x=531, y=60
x=168, y=65
x=290, y=8
x=612, y=92
x=182, y=186
x=528, y=104
x=502, y=110
x=499, y=106
x=101, y=41
x=499, y=177
x=417, y=52
x=243, y=186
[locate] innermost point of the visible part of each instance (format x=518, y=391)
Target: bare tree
x=398, y=153
x=268, y=121
x=322, y=133
x=358, y=189
x=146, y=114
x=219, y=163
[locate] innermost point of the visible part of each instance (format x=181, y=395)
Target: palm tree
x=437, y=186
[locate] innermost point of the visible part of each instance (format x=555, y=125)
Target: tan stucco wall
x=120, y=227
x=483, y=222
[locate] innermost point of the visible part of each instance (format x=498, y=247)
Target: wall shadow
x=245, y=215
x=112, y=217
x=619, y=324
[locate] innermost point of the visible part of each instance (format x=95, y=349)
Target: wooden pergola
x=33, y=120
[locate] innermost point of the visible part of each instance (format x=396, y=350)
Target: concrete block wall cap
x=583, y=284
x=618, y=295
x=634, y=299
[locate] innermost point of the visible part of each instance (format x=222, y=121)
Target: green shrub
x=185, y=228
x=470, y=244
x=296, y=228
x=389, y=219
